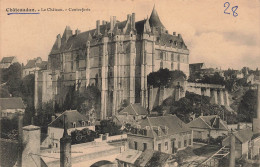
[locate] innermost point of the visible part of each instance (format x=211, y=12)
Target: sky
x=213, y=37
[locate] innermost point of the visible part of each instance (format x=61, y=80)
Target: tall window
x=145, y=146
x=179, y=144
x=159, y=147
x=135, y=143
x=189, y=141
x=83, y=123
x=161, y=55
x=172, y=57
x=185, y=143
x=172, y=66
x=166, y=145
x=161, y=64
x=74, y=124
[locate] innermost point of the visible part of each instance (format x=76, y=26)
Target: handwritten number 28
x=234, y=9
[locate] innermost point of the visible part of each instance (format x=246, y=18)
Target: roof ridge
x=205, y=122
x=150, y=126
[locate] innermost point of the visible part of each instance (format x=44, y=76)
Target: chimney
x=238, y=126
x=232, y=150
x=65, y=147
x=31, y=143
x=179, y=36
x=114, y=21
x=52, y=118
x=77, y=31
x=58, y=41
x=128, y=17
x=133, y=21
x=174, y=33
x=111, y=24
x=20, y=139
x=98, y=27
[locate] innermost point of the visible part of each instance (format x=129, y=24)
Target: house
x=136, y=158
x=242, y=142
x=33, y=65
x=196, y=67
x=10, y=106
x=131, y=114
x=7, y=61
x=164, y=133
x=204, y=127
x=74, y=121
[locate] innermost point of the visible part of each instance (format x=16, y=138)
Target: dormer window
x=74, y=124
x=83, y=123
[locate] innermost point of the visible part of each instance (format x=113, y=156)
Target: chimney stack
x=98, y=27
x=31, y=143
x=179, y=36
x=65, y=147
x=52, y=118
x=111, y=24
x=133, y=21
x=232, y=154
x=174, y=33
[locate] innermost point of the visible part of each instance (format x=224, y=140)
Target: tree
x=163, y=77
x=107, y=126
x=248, y=106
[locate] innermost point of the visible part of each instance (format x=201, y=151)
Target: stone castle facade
x=116, y=57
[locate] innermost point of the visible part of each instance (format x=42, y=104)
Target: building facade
x=116, y=57
x=164, y=133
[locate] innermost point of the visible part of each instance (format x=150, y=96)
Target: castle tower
x=65, y=147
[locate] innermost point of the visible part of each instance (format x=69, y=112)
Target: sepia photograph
x=130, y=83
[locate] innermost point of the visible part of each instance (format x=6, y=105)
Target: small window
x=166, y=145
x=74, y=124
x=179, y=144
x=135, y=143
x=161, y=64
x=145, y=146
x=83, y=123
x=185, y=143
x=159, y=147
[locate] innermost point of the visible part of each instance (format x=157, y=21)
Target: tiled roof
x=72, y=116
x=170, y=122
x=11, y=103
x=134, y=109
x=196, y=66
x=208, y=122
x=129, y=156
x=242, y=135
x=33, y=64
x=7, y=59
x=144, y=159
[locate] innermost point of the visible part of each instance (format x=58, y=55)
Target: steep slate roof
x=11, y=103
x=134, y=109
x=7, y=59
x=33, y=64
x=72, y=116
x=154, y=19
x=79, y=40
x=208, y=122
x=171, y=122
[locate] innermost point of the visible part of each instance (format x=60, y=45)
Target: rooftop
x=7, y=59
x=72, y=116
x=134, y=109
x=11, y=103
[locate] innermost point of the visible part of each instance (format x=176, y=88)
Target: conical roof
x=154, y=19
